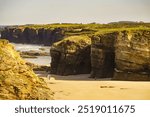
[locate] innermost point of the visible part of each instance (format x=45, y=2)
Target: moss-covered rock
x=17, y=80
x=71, y=56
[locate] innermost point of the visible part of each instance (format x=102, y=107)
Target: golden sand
x=81, y=87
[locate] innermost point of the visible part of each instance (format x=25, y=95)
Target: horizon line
x=74, y=23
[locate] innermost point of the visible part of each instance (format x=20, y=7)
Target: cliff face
x=119, y=54
x=17, y=80
x=103, y=55
x=123, y=55
x=33, y=36
x=132, y=58
x=71, y=56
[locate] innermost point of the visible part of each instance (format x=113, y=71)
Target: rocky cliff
x=132, y=55
x=71, y=56
x=33, y=36
x=103, y=55
x=17, y=80
x=51, y=33
x=123, y=55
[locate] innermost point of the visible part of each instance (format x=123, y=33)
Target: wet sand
x=80, y=87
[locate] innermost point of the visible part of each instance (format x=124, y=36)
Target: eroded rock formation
x=17, y=80
x=103, y=55
x=71, y=56
x=119, y=54
x=33, y=36
x=123, y=55
x=132, y=55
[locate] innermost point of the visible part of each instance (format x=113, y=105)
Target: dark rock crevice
x=103, y=55
x=132, y=55
x=122, y=55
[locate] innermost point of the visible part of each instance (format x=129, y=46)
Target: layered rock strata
x=103, y=55
x=121, y=55
x=132, y=55
x=71, y=56
x=33, y=36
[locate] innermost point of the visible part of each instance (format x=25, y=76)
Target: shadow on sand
x=79, y=77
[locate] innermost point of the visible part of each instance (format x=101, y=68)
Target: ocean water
x=28, y=47
x=40, y=60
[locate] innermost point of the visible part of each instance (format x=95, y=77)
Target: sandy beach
x=81, y=87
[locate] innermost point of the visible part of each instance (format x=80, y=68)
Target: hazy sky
x=72, y=11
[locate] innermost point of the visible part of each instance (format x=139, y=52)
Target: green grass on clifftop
x=72, y=44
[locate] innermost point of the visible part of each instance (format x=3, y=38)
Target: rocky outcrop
x=132, y=55
x=103, y=55
x=33, y=36
x=121, y=55
x=36, y=67
x=49, y=36
x=34, y=53
x=17, y=80
x=71, y=56
x=117, y=54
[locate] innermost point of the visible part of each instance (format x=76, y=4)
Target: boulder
x=17, y=80
x=71, y=56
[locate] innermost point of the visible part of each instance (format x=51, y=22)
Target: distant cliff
x=45, y=34
x=17, y=80
x=51, y=33
x=33, y=36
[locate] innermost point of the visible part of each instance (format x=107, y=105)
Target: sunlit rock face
x=71, y=56
x=17, y=80
x=121, y=55
x=132, y=55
